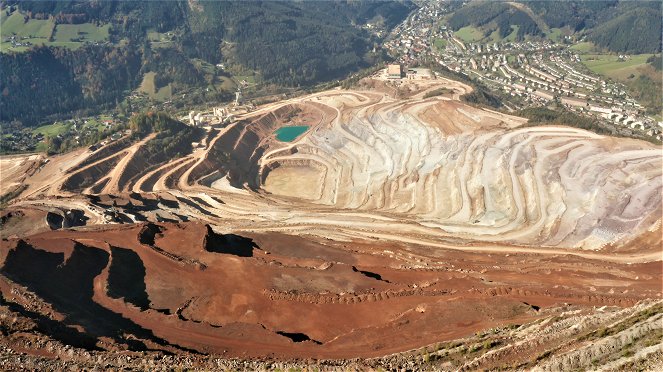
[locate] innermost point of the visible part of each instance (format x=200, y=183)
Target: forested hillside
x=495, y=16
x=636, y=31
x=129, y=17
x=282, y=43
x=52, y=80
x=577, y=15
x=296, y=43
x=619, y=26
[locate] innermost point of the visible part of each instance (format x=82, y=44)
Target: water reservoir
x=289, y=134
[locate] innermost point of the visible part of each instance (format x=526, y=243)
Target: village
x=531, y=73
x=98, y=131
x=93, y=131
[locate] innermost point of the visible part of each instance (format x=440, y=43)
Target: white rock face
x=433, y=172
x=544, y=185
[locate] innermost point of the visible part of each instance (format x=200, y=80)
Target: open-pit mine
x=377, y=223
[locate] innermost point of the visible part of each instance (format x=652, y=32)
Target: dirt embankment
x=187, y=287
x=104, y=152
x=91, y=174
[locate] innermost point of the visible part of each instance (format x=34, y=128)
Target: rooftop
x=394, y=69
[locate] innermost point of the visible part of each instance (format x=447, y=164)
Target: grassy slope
x=36, y=31
x=555, y=34
x=610, y=66
x=148, y=87
x=224, y=83
x=160, y=40
x=512, y=36
x=642, y=81
x=84, y=31
x=52, y=130
x=14, y=24
x=469, y=34
x=440, y=44
x=584, y=47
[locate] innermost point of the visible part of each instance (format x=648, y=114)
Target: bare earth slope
x=389, y=225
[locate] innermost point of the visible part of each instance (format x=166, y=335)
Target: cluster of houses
x=79, y=131
x=21, y=141
x=414, y=34
x=17, y=42
x=533, y=72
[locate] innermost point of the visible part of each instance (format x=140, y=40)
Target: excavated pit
x=465, y=174
x=425, y=219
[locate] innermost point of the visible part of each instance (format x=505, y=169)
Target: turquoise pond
x=288, y=134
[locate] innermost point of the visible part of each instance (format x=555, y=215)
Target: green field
x=250, y=79
x=156, y=36
x=159, y=39
x=469, y=34
x=555, y=34
x=7, y=46
x=83, y=32
x=39, y=31
x=495, y=35
x=514, y=34
x=41, y=147
x=66, y=44
x=148, y=87
x=584, y=47
x=96, y=123
x=203, y=66
x=224, y=83
x=34, y=28
x=289, y=134
x=34, y=31
x=440, y=44
x=52, y=130
x=609, y=65
x=164, y=93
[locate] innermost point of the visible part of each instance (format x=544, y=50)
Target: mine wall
x=302, y=163
x=238, y=152
x=89, y=176
x=106, y=151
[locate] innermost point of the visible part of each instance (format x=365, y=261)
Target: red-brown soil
x=184, y=287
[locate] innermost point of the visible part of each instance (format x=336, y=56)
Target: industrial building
x=394, y=72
